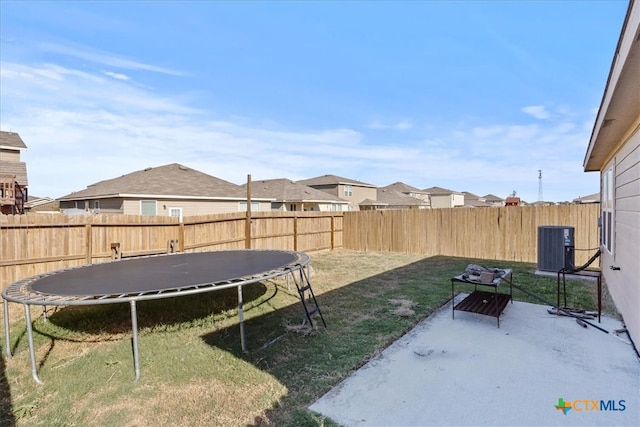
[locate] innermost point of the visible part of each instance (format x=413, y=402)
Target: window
x=348, y=191
x=607, y=207
x=96, y=205
x=255, y=207
x=292, y=207
x=176, y=213
x=147, y=207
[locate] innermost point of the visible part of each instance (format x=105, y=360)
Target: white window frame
x=177, y=210
x=155, y=205
x=348, y=191
x=255, y=206
x=607, y=205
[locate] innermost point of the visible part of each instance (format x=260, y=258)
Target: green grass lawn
x=193, y=371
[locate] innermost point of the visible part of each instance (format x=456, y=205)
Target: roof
x=619, y=108
x=475, y=203
x=492, y=198
x=169, y=181
x=393, y=197
x=17, y=169
x=11, y=140
x=469, y=196
x=592, y=198
x=285, y=190
x=403, y=188
x=439, y=191
x=333, y=180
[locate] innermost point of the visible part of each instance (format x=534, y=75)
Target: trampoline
x=151, y=277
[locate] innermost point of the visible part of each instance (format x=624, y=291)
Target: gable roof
x=469, y=196
x=285, y=190
x=393, y=197
x=439, y=191
x=403, y=188
x=11, y=140
x=492, y=198
x=169, y=181
x=333, y=180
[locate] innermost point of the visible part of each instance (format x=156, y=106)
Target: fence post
x=333, y=232
x=89, y=244
x=295, y=232
x=181, y=237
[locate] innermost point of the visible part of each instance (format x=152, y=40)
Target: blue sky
x=469, y=95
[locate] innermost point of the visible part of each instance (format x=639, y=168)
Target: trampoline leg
x=241, y=316
x=134, y=328
x=7, y=338
x=32, y=352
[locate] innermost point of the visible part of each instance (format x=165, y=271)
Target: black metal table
x=483, y=302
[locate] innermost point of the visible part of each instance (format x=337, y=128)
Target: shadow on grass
x=107, y=322
x=362, y=318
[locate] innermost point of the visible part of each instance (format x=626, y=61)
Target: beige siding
x=189, y=207
x=624, y=284
x=9, y=156
x=441, y=201
x=358, y=194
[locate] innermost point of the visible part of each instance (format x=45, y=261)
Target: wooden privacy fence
x=38, y=243
x=507, y=233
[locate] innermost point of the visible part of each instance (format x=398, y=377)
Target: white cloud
x=117, y=76
x=537, y=111
x=81, y=128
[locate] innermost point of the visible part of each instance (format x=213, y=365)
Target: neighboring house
x=492, y=200
x=286, y=195
x=388, y=198
x=473, y=201
x=444, y=198
x=403, y=188
x=170, y=190
x=512, y=201
x=592, y=198
x=614, y=151
x=355, y=192
x=41, y=204
x=13, y=174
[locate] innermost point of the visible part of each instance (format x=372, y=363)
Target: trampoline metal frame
x=21, y=293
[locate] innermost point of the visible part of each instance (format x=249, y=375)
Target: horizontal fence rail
x=38, y=243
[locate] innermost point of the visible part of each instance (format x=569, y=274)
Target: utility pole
x=539, y=185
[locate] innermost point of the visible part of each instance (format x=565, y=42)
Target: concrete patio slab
x=468, y=372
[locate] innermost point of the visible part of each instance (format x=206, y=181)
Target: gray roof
x=285, y=190
x=11, y=140
x=169, y=181
x=475, y=203
x=592, y=198
x=333, y=180
x=17, y=169
x=492, y=198
x=439, y=191
x=469, y=196
x=395, y=198
x=403, y=188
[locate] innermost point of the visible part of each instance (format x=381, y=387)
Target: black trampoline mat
x=161, y=273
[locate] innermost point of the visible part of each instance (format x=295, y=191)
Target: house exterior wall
x=189, y=207
x=355, y=197
x=457, y=200
x=10, y=155
x=624, y=284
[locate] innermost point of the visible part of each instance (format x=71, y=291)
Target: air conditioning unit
x=556, y=248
